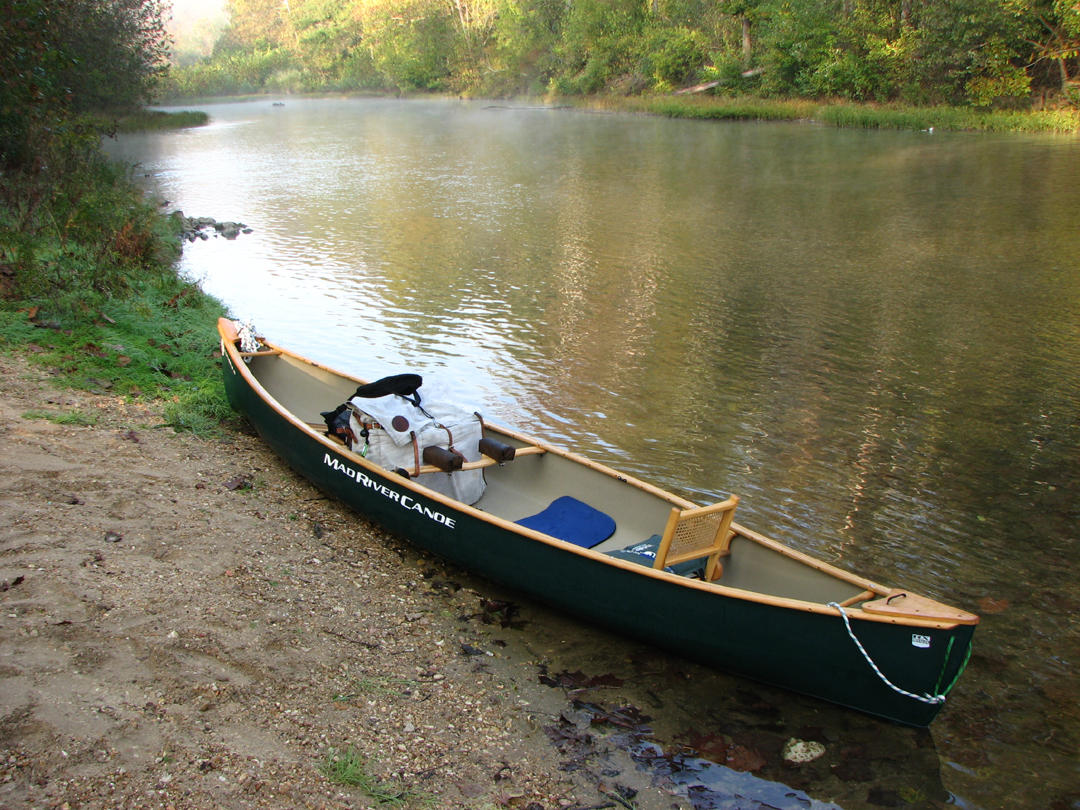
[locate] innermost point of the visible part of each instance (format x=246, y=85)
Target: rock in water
x=798, y=752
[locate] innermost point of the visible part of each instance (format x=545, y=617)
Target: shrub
x=672, y=56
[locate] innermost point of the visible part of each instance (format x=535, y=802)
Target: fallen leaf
x=991, y=605
x=578, y=680
x=741, y=758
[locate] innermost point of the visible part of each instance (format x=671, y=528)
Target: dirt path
x=187, y=624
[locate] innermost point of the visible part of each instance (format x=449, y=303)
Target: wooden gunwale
x=230, y=349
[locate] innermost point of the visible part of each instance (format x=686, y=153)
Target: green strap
x=945, y=665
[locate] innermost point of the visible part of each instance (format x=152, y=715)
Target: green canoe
x=618, y=551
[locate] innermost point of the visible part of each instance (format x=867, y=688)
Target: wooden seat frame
x=704, y=531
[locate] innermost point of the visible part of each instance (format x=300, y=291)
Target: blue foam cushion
x=573, y=521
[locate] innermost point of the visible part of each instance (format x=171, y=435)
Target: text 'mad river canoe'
x=597, y=543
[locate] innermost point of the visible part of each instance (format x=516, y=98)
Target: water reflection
x=871, y=337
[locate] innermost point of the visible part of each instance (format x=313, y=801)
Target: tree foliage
x=71, y=224
x=981, y=53
x=63, y=58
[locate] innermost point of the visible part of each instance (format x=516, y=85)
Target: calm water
x=872, y=337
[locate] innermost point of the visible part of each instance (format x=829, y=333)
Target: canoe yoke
x=494, y=452
x=402, y=425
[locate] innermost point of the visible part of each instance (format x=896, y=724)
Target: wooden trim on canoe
x=227, y=330
x=671, y=498
x=902, y=604
x=861, y=582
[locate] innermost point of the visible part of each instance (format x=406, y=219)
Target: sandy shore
x=186, y=623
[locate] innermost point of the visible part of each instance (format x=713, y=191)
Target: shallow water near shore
x=872, y=337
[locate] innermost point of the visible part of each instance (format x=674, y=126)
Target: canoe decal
x=402, y=499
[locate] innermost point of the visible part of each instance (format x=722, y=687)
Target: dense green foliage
x=88, y=283
x=89, y=286
x=979, y=53
x=86, y=263
x=60, y=59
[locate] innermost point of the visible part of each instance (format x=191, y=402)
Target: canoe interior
x=529, y=483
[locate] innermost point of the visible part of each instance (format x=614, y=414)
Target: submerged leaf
x=991, y=604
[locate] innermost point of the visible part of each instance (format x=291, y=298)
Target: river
x=872, y=337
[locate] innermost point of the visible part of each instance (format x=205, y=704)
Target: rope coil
x=931, y=699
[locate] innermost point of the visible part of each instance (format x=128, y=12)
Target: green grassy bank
x=88, y=288
x=862, y=116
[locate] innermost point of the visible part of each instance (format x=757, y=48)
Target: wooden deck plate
x=901, y=603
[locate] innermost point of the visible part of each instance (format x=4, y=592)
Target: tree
x=744, y=11
x=254, y=25
x=327, y=36
x=1055, y=43
x=969, y=51
x=410, y=41
x=64, y=57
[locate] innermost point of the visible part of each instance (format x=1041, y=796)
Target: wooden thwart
x=692, y=534
x=530, y=450
x=859, y=597
x=484, y=462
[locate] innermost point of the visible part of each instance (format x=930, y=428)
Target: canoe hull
x=804, y=650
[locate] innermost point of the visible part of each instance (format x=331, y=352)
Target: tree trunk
x=747, y=44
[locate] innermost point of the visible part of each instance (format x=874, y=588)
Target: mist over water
x=872, y=337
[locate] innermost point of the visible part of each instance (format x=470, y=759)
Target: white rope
x=932, y=699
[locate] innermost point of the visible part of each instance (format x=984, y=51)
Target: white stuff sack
x=392, y=421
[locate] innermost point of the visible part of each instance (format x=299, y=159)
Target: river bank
x=704, y=107
x=188, y=624
x=847, y=115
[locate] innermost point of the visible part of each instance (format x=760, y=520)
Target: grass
x=75, y=417
x=957, y=119
x=376, y=686
x=717, y=108
x=88, y=285
x=154, y=120
x=157, y=344
x=350, y=768
x=864, y=116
